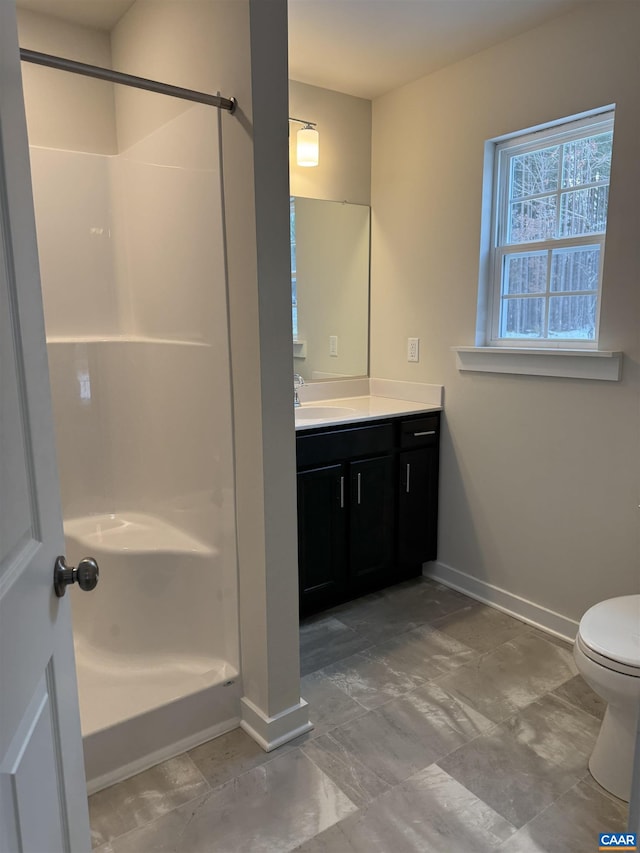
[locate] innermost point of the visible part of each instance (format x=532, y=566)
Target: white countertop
x=350, y=409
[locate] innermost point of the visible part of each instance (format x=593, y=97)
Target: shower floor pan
x=147, y=691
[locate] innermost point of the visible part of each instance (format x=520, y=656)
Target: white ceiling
x=366, y=47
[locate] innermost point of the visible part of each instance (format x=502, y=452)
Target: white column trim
x=272, y=732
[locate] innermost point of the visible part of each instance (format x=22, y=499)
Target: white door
x=43, y=801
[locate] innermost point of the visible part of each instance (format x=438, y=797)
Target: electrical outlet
x=333, y=345
x=413, y=349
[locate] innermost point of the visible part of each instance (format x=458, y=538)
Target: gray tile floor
x=441, y=725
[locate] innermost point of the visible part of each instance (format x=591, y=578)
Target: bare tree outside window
x=550, y=224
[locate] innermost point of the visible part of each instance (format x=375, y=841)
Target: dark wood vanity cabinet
x=322, y=528
x=371, y=518
x=367, y=506
x=418, y=493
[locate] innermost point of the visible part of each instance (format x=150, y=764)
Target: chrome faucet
x=298, y=382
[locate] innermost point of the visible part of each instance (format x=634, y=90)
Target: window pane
x=584, y=211
x=575, y=269
x=523, y=318
x=586, y=161
x=525, y=273
x=532, y=220
x=535, y=172
x=573, y=317
x=292, y=232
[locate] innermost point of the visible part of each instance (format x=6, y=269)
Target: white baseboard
x=272, y=732
x=159, y=755
x=523, y=609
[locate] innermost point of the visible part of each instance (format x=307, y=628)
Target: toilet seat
x=609, y=634
x=608, y=663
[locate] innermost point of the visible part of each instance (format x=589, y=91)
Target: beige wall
x=344, y=124
x=539, y=476
x=65, y=110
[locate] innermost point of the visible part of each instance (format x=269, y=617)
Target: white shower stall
x=133, y=275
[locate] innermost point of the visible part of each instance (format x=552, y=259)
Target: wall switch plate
x=333, y=345
x=413, y=349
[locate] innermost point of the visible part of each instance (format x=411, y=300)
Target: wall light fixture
x=307, y=143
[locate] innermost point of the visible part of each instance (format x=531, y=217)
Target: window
x=551, y=190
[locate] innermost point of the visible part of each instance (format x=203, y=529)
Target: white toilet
x=607, y=654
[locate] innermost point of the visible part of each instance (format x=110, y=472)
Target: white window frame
x=504, y=150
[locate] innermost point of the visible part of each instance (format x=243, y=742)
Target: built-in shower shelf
x=135, y=533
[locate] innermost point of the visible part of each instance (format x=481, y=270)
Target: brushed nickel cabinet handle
x=427, y=432
x=408, y=476
x=358, y=488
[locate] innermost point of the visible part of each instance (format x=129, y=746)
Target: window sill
x=569, y=363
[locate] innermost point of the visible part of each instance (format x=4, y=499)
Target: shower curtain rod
x=111, y=76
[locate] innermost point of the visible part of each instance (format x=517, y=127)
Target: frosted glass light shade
x=308, y=144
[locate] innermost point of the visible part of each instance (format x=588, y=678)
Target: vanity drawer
x=420, y=432
x=343, y=444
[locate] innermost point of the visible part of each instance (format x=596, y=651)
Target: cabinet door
x=418, y=509
x=321, y=537
x=372, y=528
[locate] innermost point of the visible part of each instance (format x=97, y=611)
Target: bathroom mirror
x=330, y=288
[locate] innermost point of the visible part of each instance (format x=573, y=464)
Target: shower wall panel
x=134, y=285
x=67, y=111
x=169, y=231
x=73, y=204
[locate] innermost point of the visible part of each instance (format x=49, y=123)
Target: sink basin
x=322, y=413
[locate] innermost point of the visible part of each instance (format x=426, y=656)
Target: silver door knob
x=85, y=575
